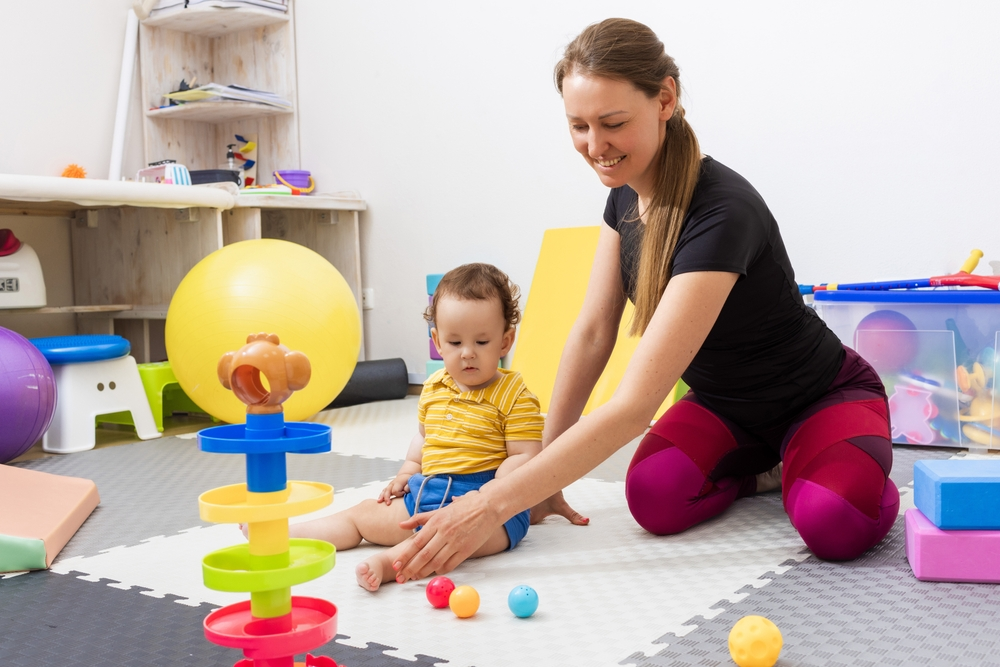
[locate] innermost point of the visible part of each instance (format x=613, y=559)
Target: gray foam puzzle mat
x=867, y=612
x=871, y=611
x=54, y=619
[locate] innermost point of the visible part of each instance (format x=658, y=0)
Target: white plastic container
x=935, y=351
x=21, y=281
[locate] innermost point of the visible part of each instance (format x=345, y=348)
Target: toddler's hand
x=396, y=489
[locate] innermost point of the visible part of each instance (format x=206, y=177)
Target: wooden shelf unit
x=132, y=243
x=245, y=46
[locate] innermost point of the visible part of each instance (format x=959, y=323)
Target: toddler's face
x=471, y=336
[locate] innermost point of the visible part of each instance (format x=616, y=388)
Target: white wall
x=869, y=128
x=60, y=85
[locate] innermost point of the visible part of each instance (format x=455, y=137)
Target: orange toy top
x=285, y=371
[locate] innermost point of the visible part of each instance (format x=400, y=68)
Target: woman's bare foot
x=372, y=572
x=770, y=480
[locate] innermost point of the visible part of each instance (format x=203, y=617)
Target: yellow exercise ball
x=263, y=285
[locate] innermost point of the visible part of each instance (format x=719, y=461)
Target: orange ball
x=74, y=171
x=464, y=601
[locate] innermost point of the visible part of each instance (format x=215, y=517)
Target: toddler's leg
x=378, y=568
x=370, y=520
x=667, y=485
x=836, y=487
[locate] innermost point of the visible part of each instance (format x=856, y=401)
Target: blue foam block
x=958, y=494
x=432, y=282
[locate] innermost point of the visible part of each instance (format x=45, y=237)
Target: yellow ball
x=755, y=642
x=464, y=601
x=263, y=285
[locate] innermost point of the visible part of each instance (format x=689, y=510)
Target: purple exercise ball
x=27, y=395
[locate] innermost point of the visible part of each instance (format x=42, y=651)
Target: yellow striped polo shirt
x=468, y=431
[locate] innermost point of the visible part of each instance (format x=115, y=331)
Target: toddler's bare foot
x=372, y=572
x=245, y=529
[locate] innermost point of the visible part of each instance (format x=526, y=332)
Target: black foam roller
x=377, y=380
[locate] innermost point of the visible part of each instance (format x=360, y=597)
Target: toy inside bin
x=935, y=351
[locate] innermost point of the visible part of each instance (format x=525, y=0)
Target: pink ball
x=890, y=347
x=439, y=591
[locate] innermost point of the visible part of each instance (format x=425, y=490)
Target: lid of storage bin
x=76, y=349
x=909, y=296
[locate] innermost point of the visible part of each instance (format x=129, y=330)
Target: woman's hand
x=556, y=504
x=396, y=489
x=448, y=537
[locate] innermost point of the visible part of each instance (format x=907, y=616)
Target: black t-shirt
x=768, y=355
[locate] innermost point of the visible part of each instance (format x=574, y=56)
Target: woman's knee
x=834, y=528
x=666, y=493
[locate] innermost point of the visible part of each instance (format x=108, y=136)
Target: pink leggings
x=837, y=455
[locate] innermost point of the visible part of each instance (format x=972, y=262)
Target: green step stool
x=164, y=394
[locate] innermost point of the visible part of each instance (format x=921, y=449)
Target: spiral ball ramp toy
x=273, y=626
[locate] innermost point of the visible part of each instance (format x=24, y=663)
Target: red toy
x=439, y=591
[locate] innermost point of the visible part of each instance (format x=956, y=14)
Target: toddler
x=477, y=422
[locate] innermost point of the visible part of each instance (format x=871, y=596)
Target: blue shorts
x=433, y=497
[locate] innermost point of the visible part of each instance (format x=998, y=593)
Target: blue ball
x=523, y=601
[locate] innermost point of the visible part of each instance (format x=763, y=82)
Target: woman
x=695, y=247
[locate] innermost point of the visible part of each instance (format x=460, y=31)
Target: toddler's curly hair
x=480, y=282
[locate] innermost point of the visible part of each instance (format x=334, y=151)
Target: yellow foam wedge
x=556, y=297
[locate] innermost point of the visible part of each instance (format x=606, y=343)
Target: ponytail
x=677, y=174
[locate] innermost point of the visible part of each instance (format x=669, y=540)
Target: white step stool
x=94, y=375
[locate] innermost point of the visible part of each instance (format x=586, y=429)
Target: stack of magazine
x=166, y=5
x=214, y=92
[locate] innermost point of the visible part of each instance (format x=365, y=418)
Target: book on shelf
x=273, y=189
x=214, y=92
x=166, y=5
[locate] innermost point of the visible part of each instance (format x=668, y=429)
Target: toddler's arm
x=519, y=452
x=410, y=467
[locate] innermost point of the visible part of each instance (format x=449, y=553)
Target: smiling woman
x=774, y=393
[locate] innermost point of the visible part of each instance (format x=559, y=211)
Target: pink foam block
x=951, y=555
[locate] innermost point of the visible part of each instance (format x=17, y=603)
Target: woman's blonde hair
x=626, y=50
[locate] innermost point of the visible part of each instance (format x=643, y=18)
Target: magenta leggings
x=837, y=455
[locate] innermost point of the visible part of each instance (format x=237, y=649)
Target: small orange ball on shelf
x=74, y=171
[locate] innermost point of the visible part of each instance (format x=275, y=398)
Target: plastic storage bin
x=935, y=351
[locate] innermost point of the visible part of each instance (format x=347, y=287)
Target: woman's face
x=618, y=129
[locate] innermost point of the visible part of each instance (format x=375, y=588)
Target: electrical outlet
x=367, y=298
